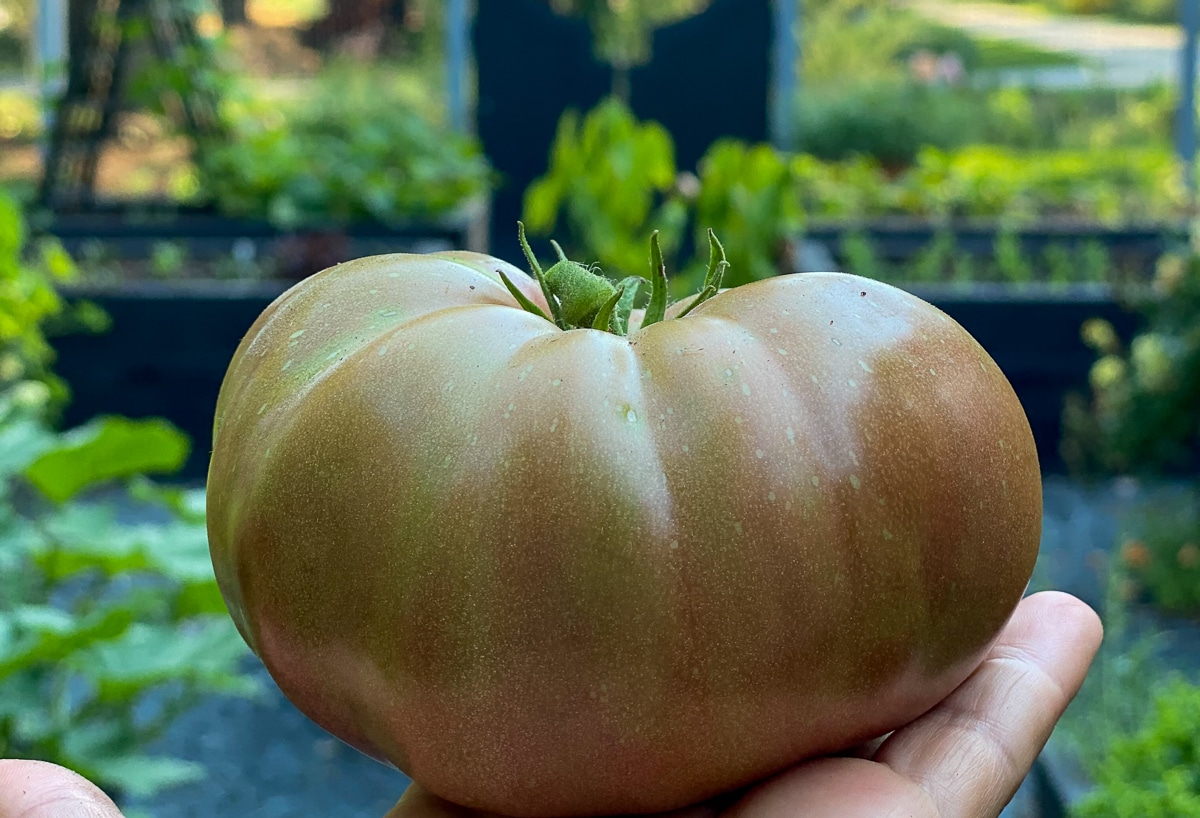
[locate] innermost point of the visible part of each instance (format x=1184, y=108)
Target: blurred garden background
x=167, y=168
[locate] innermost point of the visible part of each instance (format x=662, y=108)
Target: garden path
x=1113, y=53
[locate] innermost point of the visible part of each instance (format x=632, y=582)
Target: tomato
x=552, y=572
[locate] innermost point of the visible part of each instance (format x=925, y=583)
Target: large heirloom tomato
x=551, y=571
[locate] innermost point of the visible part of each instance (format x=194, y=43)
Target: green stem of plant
x=656, y=310
x=581, y=298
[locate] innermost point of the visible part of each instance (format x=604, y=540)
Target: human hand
x=965, y=758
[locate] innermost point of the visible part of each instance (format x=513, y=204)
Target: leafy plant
x=29, y=300
x=889, y=121
x=1116, y=698
x=1143, y=414
x=613, y=178
x=747, y=196
x=108, y=629
x=621, y=31
x=1154, y=773
x=1162, y=555
x=355, y=150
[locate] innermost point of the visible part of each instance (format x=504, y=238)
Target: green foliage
x=621, y=31
x=20, y=116
x=877, y=38
x=1115, y=700
x=1143, y=414
x=748, y=198
x=613, y=178
x=357, y=149
x=943, y=261
x=1161, y=554
x=29, y=299
x=1111, y=186
x=1154, y=773
x=108, y=629
x=890, y=121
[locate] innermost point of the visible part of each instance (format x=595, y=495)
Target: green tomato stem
x=656, y=310
x=551, y=301
x=605, y=313
x=581, y=297
x=523, y=299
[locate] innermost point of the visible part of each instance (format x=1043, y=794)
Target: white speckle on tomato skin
x=791, y=434
x=759, y=453
x=746, y=389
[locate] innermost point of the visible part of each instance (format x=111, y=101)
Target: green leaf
x=206, y=650
x=23, y=441
x=42, y=641
x=142, y=776
x=105, y=449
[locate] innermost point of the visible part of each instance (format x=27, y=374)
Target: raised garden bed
x=898, y=239
x=205, y=234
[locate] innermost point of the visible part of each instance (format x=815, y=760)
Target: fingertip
x=38, y=789
x=1058, y=615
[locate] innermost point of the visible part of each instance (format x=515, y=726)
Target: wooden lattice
x=95, y=94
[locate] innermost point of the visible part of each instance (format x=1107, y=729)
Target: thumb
x=36, y=789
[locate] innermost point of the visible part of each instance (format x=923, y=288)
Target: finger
x=971, y=752
x=419, y=803
x=35, y=789
x=841, y=787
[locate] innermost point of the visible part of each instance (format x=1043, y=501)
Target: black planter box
x=899, y=239
x=128, y=232
x=165, y=355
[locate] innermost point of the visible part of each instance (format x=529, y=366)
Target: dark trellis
x=95, y=94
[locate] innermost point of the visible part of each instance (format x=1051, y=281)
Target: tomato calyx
x=580, y=297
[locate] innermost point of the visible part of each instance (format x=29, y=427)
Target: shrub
x=888, y=121
x=1143, y=413
x=1154, y=773
x=359, y=149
